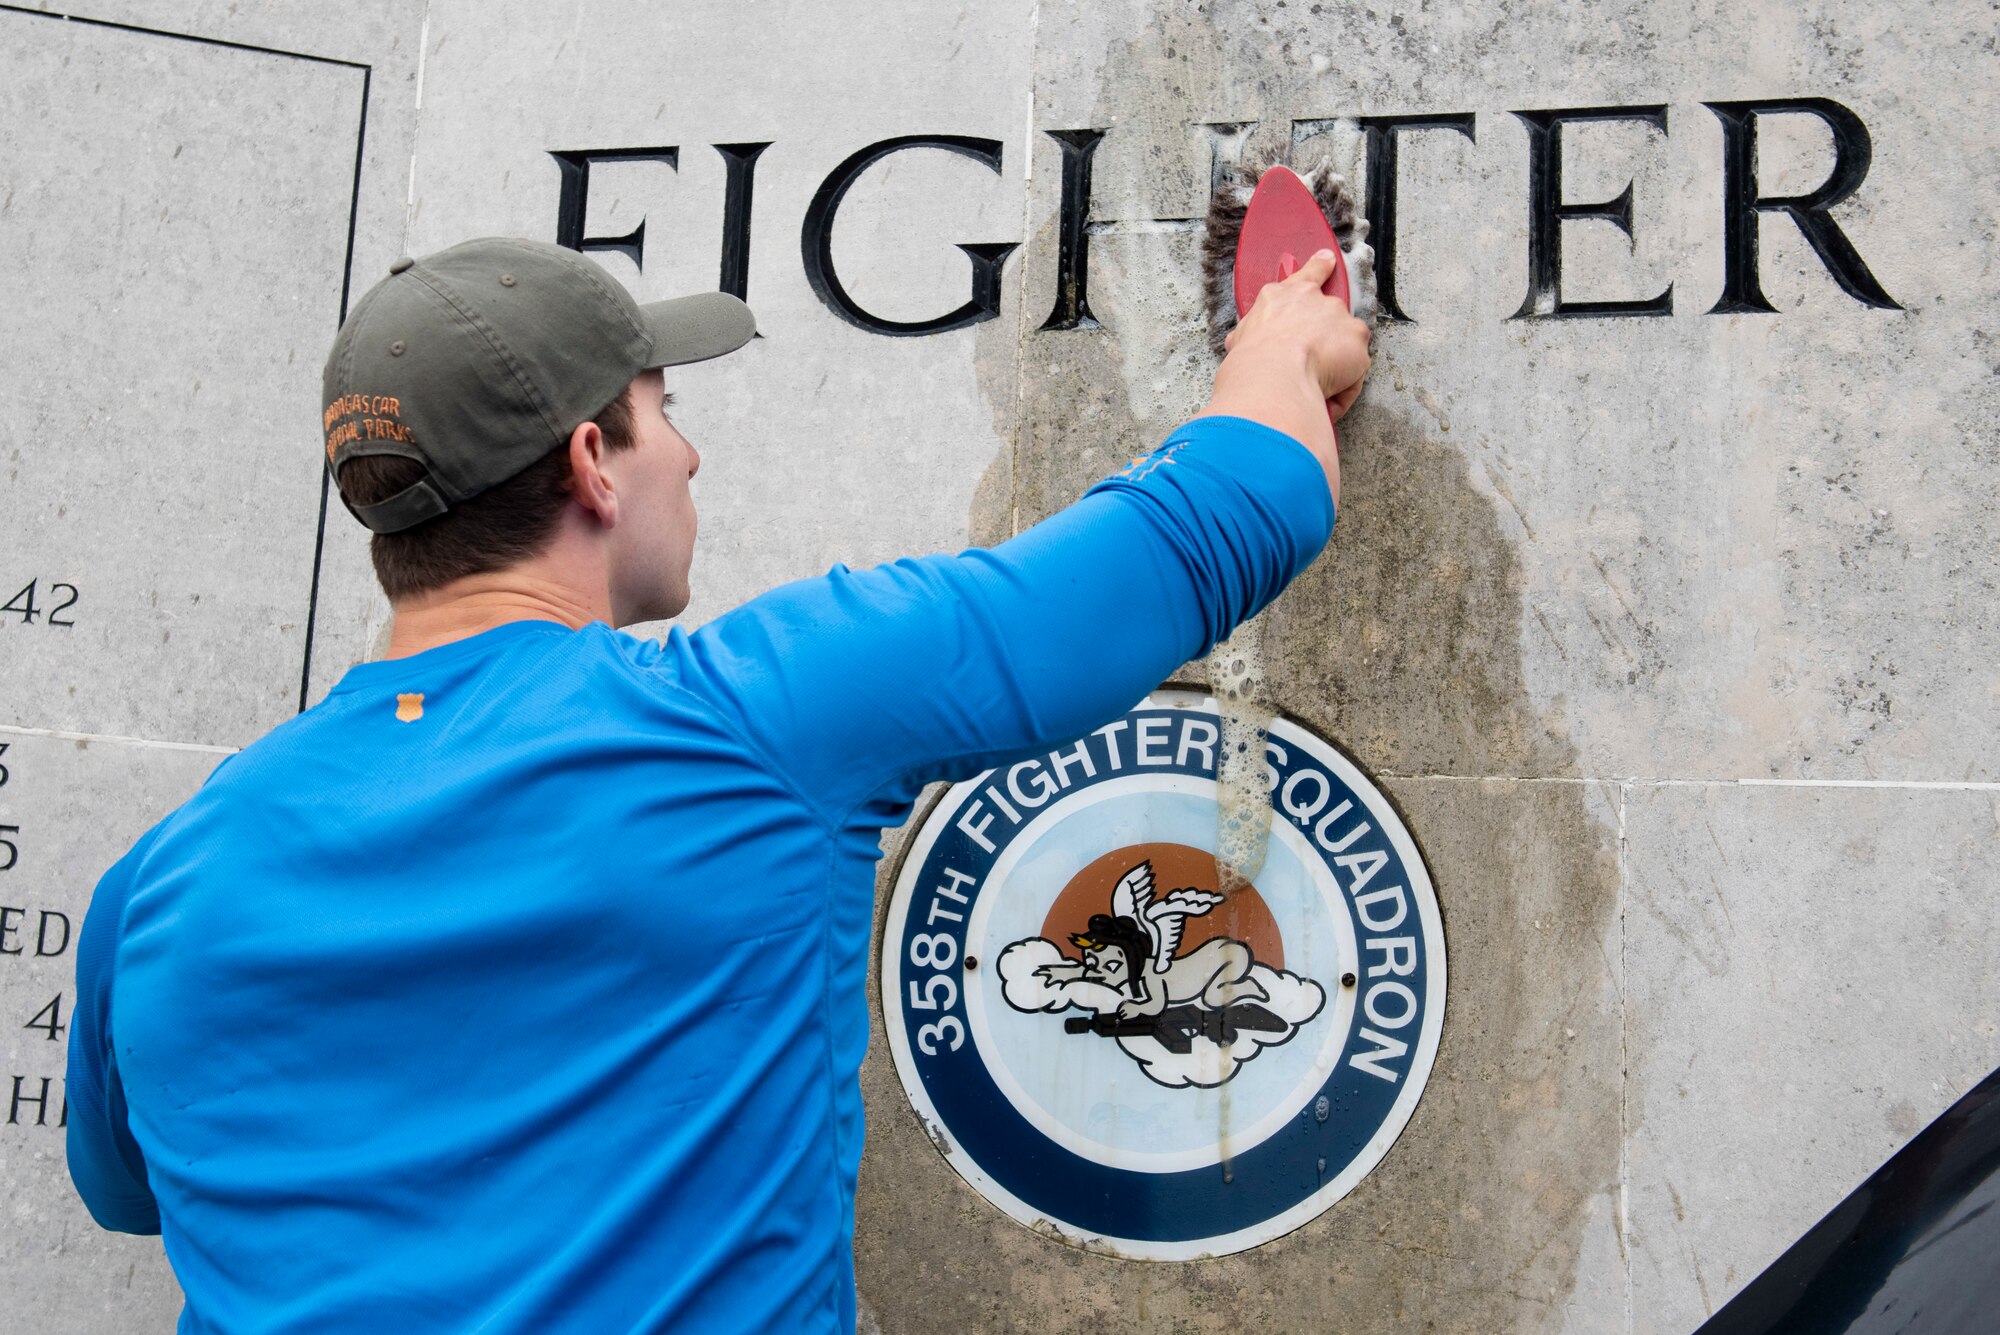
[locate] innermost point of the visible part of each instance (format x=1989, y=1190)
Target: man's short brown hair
x=495, y=529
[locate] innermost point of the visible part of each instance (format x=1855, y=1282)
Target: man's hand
x=1296, y=351
x=1295, y=313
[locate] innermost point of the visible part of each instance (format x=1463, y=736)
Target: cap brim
x=696, y=328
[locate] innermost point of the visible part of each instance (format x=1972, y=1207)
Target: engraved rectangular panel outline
x=56, y=594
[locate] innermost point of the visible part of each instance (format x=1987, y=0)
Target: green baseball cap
x=480, y=359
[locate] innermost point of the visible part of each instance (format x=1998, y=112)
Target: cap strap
x=406, y=509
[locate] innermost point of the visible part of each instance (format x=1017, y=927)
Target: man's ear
x=588, y=485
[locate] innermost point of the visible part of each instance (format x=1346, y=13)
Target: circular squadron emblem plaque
x=1114, y=1046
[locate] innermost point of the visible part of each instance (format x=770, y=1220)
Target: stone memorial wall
x=1660, y=605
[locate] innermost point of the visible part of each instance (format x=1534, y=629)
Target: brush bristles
x=1226, y=208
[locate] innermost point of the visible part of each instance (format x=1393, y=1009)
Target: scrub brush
x=1263, y=223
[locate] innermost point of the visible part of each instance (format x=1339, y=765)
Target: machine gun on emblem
x=1176, y=1027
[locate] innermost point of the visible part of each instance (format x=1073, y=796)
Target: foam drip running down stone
x=1243, y=805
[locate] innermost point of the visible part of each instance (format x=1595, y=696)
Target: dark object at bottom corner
x=1911, y=1252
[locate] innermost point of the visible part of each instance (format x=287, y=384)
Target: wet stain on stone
x=1403, y=643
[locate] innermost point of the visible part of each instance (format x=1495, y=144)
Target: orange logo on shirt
x=409, y=708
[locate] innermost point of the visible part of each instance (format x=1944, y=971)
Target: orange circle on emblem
x=1244, y=915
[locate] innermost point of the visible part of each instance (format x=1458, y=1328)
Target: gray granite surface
x=1671, y=634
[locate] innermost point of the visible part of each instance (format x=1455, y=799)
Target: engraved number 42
x=22, y=604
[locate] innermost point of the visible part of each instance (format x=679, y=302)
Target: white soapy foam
x=1243, y=804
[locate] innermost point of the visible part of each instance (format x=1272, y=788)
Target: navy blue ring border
x=1261, y=1176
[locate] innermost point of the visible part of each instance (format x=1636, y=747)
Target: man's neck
x=470, y=606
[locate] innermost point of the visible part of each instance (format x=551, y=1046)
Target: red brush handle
x=1282, y=222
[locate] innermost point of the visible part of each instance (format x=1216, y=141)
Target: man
x=518, y=985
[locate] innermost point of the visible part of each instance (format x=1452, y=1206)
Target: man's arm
x=868, y=684
x=1291, y=359
x=104, y=1160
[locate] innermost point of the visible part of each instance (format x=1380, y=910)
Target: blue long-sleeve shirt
x=518, y=986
